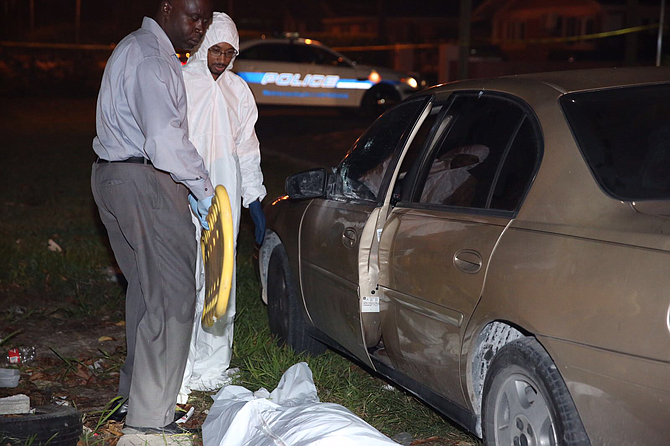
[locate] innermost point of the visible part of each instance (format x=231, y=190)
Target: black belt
x=132, y=159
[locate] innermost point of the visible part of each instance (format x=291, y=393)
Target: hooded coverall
x=221, y=118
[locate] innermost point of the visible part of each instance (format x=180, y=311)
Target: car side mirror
x=308, y=184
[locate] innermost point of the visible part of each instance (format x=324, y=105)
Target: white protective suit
x=221, y=119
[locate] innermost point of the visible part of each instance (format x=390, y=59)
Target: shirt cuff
x=252, y=194
x=201, y=189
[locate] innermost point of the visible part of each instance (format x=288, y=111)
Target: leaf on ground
x=424, y=441
x=105, y=338
x=83, y=372
x=36, y=376
x=115, y=428
x=53, y=246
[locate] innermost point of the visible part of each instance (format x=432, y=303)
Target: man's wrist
x=202, y=190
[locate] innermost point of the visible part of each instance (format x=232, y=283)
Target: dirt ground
x=77, y=362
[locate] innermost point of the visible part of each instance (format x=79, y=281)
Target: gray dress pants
x=148, y=221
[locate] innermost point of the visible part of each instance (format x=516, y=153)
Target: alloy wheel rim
x=522, y=416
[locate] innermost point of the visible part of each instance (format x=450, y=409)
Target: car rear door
x=455, y=199
x=333, y=229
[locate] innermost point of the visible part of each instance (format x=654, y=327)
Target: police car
x=297, y=71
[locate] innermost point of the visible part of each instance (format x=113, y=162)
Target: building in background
x=536, y=31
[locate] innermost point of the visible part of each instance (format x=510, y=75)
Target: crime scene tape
x=618, y=32
x=217, y=245
x=396, y=46
x=57, y=46
x=405, y=46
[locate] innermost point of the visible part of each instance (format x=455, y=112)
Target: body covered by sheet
x=289, y=416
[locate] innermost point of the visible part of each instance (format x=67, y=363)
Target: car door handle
x=468, y=261
x=349, y=237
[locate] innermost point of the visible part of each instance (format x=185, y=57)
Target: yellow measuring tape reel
x=217, y=245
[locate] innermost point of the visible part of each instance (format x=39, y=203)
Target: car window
x=517, y=170
x=273, y=52
x=410, y=161
x=314, y=55
x=476, y=152
x=624, y=135
x=360, y=174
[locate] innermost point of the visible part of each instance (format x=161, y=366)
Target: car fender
x=283, y=219
x=558, y=299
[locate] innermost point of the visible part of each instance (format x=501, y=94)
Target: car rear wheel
x=526, y=401
x=284, y=314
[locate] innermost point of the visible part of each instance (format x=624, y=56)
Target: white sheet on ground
x=289, y=416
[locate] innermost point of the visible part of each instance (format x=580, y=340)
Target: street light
x=77, y=21
x=659, y=41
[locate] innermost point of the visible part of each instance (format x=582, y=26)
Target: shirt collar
x=153, y=27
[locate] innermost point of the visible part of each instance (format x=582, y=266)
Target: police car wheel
x=379, y=99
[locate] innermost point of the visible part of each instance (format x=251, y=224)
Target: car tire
x=285, y=317
x=526, y=401
x=55, y=425
x=378, y=99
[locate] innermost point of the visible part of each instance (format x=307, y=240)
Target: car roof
x=298, y=40
x=565, y=81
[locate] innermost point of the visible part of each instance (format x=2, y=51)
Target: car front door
x=333, y=228
x=456, y=199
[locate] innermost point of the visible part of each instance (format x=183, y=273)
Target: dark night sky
x=107, y=21
x=110, y=20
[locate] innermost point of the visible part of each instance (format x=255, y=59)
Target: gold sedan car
x=500, y=248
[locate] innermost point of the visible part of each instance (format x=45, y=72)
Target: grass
x=45, y=195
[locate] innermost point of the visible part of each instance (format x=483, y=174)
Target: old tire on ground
x=57, y=425
x=284, y=315
x=526, y=401
x=378, y=99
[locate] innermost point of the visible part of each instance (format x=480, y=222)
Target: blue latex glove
x=259, y=220
x=200, y=209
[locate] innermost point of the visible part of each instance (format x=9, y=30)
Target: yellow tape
x=618, y=32
x=404, y=46
x=397, y=46
x=218, y=244
x=57, y=46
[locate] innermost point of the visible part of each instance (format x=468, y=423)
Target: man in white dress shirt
x=146, y=168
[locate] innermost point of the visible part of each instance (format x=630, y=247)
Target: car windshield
x=624, y=135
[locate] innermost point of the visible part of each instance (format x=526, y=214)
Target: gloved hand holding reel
x=218, y=245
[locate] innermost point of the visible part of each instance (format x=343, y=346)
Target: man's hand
x=201, y=209
x=259, y=220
